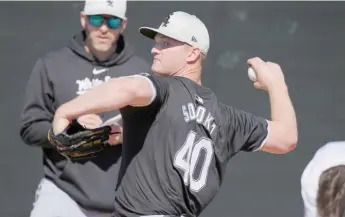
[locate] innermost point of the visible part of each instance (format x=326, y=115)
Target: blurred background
x=306, y=38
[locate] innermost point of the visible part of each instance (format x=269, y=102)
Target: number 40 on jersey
x=187, y=158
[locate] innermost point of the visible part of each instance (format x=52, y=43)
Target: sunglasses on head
x=98, y=20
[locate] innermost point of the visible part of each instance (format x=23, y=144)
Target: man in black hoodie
x=96, y=54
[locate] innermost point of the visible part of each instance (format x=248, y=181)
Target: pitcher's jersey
x=176, y=149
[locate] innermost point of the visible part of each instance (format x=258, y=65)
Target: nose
x=104, y=28
x=154, y=51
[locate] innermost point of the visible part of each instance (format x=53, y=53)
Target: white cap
x=183, y=27
x=330, y=155
x=115, y=8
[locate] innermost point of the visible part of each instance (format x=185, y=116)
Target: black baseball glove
x=77, y=142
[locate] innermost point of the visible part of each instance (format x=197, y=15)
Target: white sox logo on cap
x=166, y=21
x=110, y=3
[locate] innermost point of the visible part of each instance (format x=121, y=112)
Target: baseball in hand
x=251, y=74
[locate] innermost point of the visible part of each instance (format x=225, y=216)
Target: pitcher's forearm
x=108, y=96
x=112, y=95
x=282, y=109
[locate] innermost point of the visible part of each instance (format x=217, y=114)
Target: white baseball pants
x=51, y=201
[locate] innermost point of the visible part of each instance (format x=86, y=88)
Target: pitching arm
x=117, y=93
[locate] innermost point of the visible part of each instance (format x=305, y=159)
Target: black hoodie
x=58, y=77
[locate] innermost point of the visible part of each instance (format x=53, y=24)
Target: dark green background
x=305, y=38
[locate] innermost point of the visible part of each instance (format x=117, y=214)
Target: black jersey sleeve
x=244, y=131
x=160, y=86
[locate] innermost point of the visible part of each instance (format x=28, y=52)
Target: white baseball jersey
x=329, y=155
